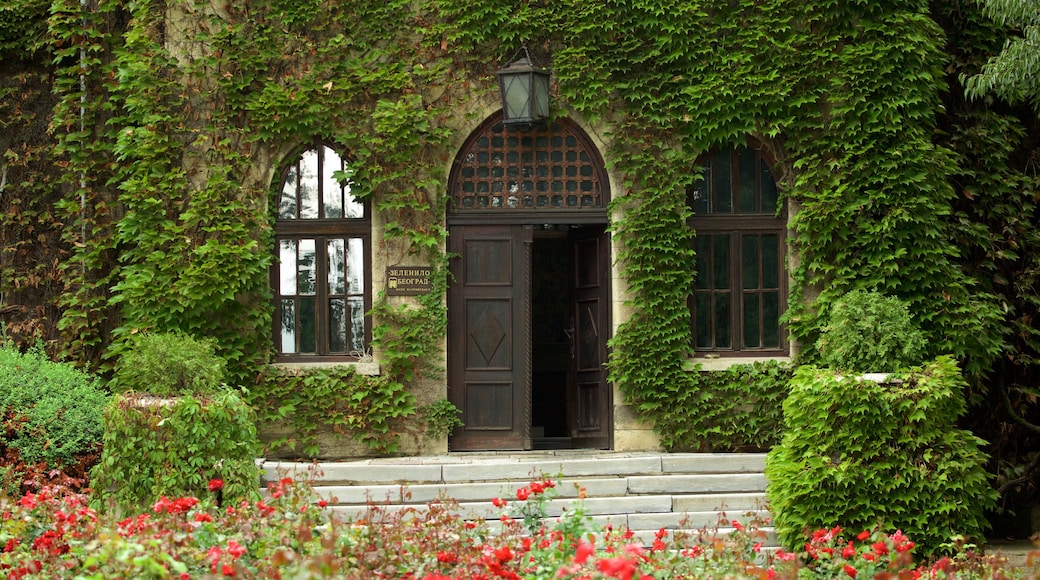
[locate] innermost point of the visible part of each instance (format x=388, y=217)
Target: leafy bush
x=171, y=447
x=290, y=534
x=165, y=364
x=888, y=456
x=870, y=332
x=49, y=412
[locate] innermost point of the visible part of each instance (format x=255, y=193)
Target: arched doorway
x=529, y=303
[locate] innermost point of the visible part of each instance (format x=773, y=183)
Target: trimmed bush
x=165, y=364
x=49, y=411
x=175, y=447
x=176, y=428
x=870, y=332
x=864, y=455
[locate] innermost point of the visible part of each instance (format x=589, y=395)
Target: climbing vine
x=169, y=120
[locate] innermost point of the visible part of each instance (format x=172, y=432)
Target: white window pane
x=306, y=282
x=287, y=267
x=337, y=265
x=332, y=191
x=287, y=202
x=337, y=326
x=309, y=185
x=357, y=325
x=356, y=266
x=354, y=208
x=288, y=318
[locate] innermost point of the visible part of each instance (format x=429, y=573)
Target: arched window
x=740, y=290
x=322, y=245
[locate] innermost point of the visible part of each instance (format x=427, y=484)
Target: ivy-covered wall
x=166, y=121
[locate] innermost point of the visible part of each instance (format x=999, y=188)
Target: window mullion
x=321, y=296
x=736, y=294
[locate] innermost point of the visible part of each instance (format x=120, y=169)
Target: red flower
x=850, y=571
x=322, y=503
x=264, y=509
x=203, y=517
x=447, y=557
x=235, y=549
x=619, y=567
x=863, y=535
x=227, y=570
x=880, y=548
x=581, y=555
x=216, y=484
x=523, y=493
x=849, y=551
x=503, y=554
x=737, y=526
x=498, y=502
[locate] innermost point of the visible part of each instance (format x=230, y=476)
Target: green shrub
x=165, y=364
x=870, y=332
x=173, y=447
x=49, y=411
x=864, y=455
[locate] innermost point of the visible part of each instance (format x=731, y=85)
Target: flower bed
x=291, y=533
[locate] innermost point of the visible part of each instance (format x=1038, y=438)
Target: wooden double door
x=528, y=321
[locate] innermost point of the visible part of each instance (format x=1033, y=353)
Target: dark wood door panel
x=489, y=336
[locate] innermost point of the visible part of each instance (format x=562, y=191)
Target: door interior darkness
x=544, y=385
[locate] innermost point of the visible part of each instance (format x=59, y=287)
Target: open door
x=589, y=399
x=489, y=365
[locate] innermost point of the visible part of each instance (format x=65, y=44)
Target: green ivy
x=737, y=409
x=362, y=407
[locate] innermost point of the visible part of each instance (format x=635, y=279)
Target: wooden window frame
x=736, y=225
x=321, y=230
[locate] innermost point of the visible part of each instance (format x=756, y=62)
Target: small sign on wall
x=408, y=280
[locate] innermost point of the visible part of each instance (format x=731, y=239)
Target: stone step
x=457, y=468
x=643, y=493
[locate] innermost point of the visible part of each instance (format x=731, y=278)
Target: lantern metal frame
x=524, y=89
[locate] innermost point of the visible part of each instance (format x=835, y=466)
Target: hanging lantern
x=525, y=92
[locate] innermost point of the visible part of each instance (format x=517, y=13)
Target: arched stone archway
x=529, y=308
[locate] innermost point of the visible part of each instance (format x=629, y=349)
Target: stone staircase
x=643, y=492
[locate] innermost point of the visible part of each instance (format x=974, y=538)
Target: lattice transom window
x=553, y=167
